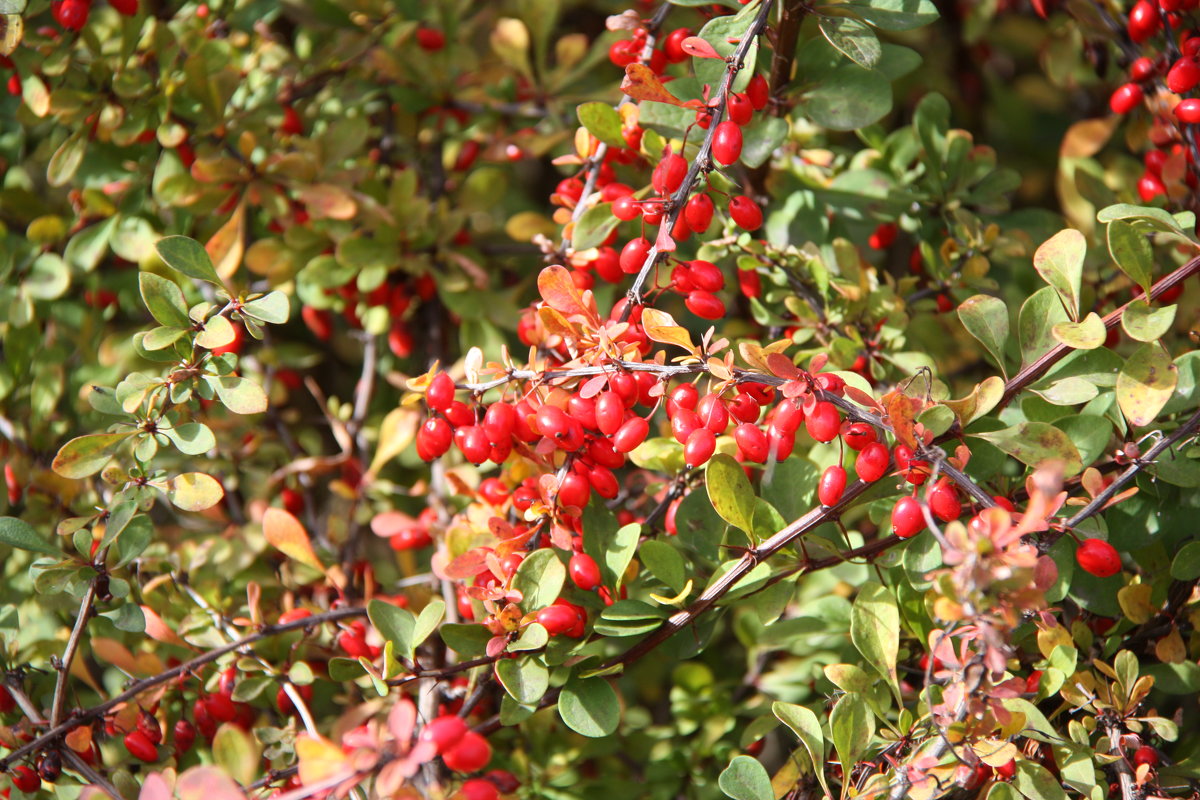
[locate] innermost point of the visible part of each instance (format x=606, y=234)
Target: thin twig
x=64, y=667
x=144, y=684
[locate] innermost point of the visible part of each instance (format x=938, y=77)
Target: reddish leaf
x=699, y=48
x=642, y=84
x=560, y=292
x=781, y=365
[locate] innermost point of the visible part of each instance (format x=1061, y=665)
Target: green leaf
x=852, y=725
x=718, y=32
x=533, y=637
x=237, y=753
x=12, y=6
x=345, y=669
x=428, y=620
x=133, y=540
x=66, y=160
x=894, y=15
x=875, y=629
x=1145, y=216
x=849, y=98
x=1186, y=564
x=594, y=227
x=87, y=248
x=395, y=624
x=1035, y=782
x=1059, y=261
x=273, y=308
x=218, y=332
x=1131, y=250
x=746, y=779
x=87, y=455
x=468, y=641
x=1145, y=322
x=590, y=707
x=539, y=579
x=730, y=492
x=665, y=562
x=162, y=338
x=189, y=257
x=191, y=438
x=1087, y=334
x=1032, y=443
x=165, y=300
x=525, y=679
x=1035, y=324
x=20, y=534
x=986, y=318
x=239, y=395
x=48, y=278
x=762, y=139
x=852, y=38
x=807, y=727
x=603, y=122
x=194, y=491
x=1145, y=384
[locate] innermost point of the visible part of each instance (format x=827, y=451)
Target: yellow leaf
x=320, y=759
x=398, y=430
x=1050, y=638
x=661, y=327
x=1170, y=648
x=286, y=534
x=1135, y=602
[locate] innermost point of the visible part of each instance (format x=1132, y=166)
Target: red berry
x=7, y=703
x=557, y=619
x=25, y=779
x=1098, y=557
x=753, y=443
x=185, y=736
x=858, y=435
x=712, y=413
x=749, y=283
x=319, y=321
x=434, y=438
x=584, y=571
x=471, y=754
x=1145, y=755
x=140, y=747
x=727, y=143
x=473, y=443
x=633, y=255
x=1184, y=75
x=478, y=789
x=440, y=393
x=700, y=446
x=883, y=236
x=669, y=174
x=673, y=45
x=623, y=52
x=1006, y=771
x=745, y=213
x=705, y=305
x=1126, y=98
x=292, y=125
x=1144, y=21
x=824, y=421
x=943, y=501
x=1142, y=69
x=71, y=14
x=430, y=39
x=626, y=208
x=758, y=92
x=832, y=485
x=707, y=276
x=698, y=212
x=149, y=727
x=907, y=518
x=1188, y=111
x=574, y=490
x=128, y=8
x=740, y=109
x=445, y=732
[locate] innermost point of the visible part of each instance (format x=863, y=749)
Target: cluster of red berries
x=73, y=14
x=397, y=297
x=1170, y=161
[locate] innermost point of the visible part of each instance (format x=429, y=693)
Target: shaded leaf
x=164, y=299
x=986, y=318
x=20, y=534
x=1035, y=324
x=1131, y=250
x=1145, y=322
x=807, y=727
x=590, y=707
x=525, y=679
x=187, y=256
x=875, y=629
x=852, y=38
x=746, y=779
x=87, y=455
x=603, y=122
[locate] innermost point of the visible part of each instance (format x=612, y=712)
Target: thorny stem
x=137, y=687
x=64, y=669
x=1042, y=365
x=703, y=160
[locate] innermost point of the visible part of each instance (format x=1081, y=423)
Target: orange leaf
x=781, y=365
x=642, y=84
x=661, y=327
x=285, y=533
x=901, y=410
x=559, y=291
x=324, y=200
x=228, y=244
x=699, y=48
x=158, y=630
x=468, y=565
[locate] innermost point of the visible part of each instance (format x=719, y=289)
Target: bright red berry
x=140, y=746
x=633, y=255
x=471, y=754
x=445, y=732
x=943, y=501
x=478, y=789
x=698, y=212
x=430, y=39
x=1144, y=21
x=745, y=213
x=759, y=92
x=752, y=441
x=1188, y=111
x=673, y=45
x=584, y=571
x=740, y=109
x=557, y=619
x=907, y=518
x=1126, y=98
x=1145, y=755
x=440, y=393
x=25, y=779
x=832, y=485
x=858, y=435
x=1098, y=557
x=705, y=305
x=71, y=14
x=700, y=446
x=824, y=421
x=727, y=143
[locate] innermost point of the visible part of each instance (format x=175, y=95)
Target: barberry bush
x=556, y=398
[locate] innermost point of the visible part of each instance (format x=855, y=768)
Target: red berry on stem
x=824, y=421
x=471, y=754
x=25, y=779
x=71, y=14
x=631, y=434
x=140, y=747
x=753, y=443
x=440, y=393
x=858, y=435
x=1188, y=111
x=584, y=571
x=705, y=305
x=185, y=736
x=1145, y=755
x=128, y=8
x=700, y=446
x=727, y=143
x=1098, y=557
x=943, y=501
x=673, y=45
x=669, y=174
x=745, y=213
x=740, y=109
x=832, y=485
x=907, y=518
x=626, y=208
x=633, y=255
x=444, y=732
x=698, y=212
x=1142, y=69
x=758, y=92
x=430, y=39
x=1144, y=21
x=478, y=789
x=1126, y=98
x=556, y=619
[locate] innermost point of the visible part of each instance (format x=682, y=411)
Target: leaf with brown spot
x=1033, y=443
x=982, y=399
x=901, y=410
x=1145, y=384
x=642, y=84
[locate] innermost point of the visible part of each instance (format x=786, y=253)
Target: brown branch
x=64, y=666
x=783, y=57
x=703, y=161
x=60, y=730
x=1042, y=364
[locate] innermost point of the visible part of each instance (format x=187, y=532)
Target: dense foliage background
x=552, y=398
